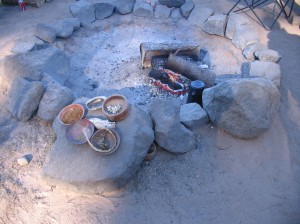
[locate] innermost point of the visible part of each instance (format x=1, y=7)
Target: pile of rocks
x=245, y=36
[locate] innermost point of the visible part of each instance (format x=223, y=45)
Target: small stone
x=193, y=116
x=295, y=20
x=172, y=3
x=45, y=33
x=187, y=8
x=24, y=160
x=84, y=11
x=26, y=44
x=268, y=55
x=204, y=14
x=124, y=7
x=244, y=36
x=162, y=12
x=176, y=14
x=103, y=10
x=143, y=9
x=249, y=51
x=235, y=21
x=215, y=25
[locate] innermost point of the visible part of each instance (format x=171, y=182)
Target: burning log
x=149, y=50
x=190, y=70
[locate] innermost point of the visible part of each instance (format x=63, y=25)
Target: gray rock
x=124, y=7
x=268, y=70
x=54, y=99
x=249, y=51
x=26, y=44
x=193, y=116
x=176, y=14
x=244, y=36
x=24, y=98
x=235, y=21
x=295, y=21
x=24, y=160
x=169, y=133
x=162, y=12
x=103, y=10
x=98, y=173
x=51, y=60
x=64, y=28
x=45, y=33
x=215, y=24
x=187, y=8
x=172, y=3
x=244, y=108
x=84, y=11
x=204, y=14
x=143, y=9
x=267, y=55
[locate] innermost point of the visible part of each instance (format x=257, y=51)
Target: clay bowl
x=114, y=101
x=109, y=137
x=80, y=131
x=70, y=114
x=151, y=152
x=95, y=103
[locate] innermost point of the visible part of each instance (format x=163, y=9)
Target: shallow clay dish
x=115, y=101
x=105, y=141
x=70, y=114
x=80, y=131
x=95, y=103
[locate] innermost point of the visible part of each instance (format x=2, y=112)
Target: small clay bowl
x=95, y=103
x=80, y=131
x=71, y=114
x=151, y=152
x=112, y=141
x=114, y=101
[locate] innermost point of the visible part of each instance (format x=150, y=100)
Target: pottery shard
x=170, y=134
x=45, y=33
x=215, y=24
x=84, y=11
x=235, y=21
x=268, y=70
x=50, y=104
x=81, y=168
x=243, y=108
x=267, y=55
x=103, y=10
x=24, y=98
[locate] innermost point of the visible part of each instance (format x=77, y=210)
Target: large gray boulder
x=123, y=7
x=268, y=70
x=235, y=21
x=64, y=28
x=215, y=24
x=45, y=33
x=81, y=168
x=267, y=55
x=26, y=44
x=193, y=116
x=245, y=35
x=169, y=133
x=55, y=98
x=24, y=98
x=143, y=9
x=187, y=8
x=84, y=11
x=162, y=12
x=244, y=108
x=103, y=10
x=172, y=3
x=51, y=60
x=249, y=51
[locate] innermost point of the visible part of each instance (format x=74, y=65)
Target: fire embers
x=170, y=81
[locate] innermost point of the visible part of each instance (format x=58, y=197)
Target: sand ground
x=251, y=181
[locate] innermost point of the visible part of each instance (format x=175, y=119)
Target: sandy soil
x=253, y=181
